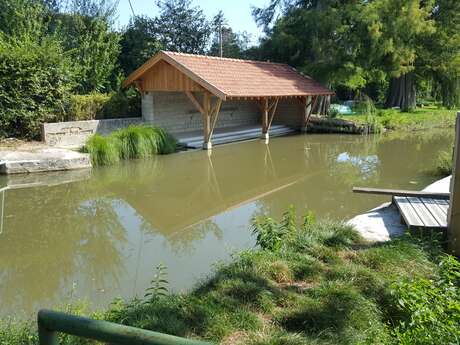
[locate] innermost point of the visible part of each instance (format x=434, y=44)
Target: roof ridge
x=223, y=58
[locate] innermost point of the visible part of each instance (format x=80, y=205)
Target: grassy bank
x=129, y=143
x=316, y=283
x=421, y=118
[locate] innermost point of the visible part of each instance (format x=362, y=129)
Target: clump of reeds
x=129, y=143
x=444, y=163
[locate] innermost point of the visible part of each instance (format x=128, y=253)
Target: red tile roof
x=238, y=78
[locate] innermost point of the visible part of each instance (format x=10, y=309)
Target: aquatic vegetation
x=444, y=163
x=129, y=143
x=102, y=150
x=310, y=282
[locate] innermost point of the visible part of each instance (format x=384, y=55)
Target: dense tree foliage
x=182, y=27
x=138, y=43
x=226, y=42
x=392, y=45
x=35, y=82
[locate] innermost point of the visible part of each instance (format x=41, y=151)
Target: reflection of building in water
x=203, y=188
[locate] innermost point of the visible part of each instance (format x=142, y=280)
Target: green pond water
x=96, y=235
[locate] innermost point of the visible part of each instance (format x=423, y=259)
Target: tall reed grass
x=129, y=143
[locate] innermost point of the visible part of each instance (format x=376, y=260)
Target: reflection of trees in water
x=182, y=241
x=50, y=236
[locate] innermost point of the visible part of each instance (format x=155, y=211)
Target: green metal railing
x=51, y=322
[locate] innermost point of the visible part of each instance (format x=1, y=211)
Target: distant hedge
x=35, y=84
x=102, y=105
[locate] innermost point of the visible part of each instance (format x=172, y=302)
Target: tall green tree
x=352, y=43
x=443, y=51
x=85, y=30
x=182, y=27
x=328, y=39
x=398, y=29
x=226, y=42
x=139, y=42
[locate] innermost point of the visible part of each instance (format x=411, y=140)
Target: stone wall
x=288, y=112
x=174, y=112
x=75, y=133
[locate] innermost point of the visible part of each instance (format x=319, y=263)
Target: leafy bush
x=129, y=143
x=86, y=107
x=271, y=235
x=35, y=83
x=444, y=163
x=124, y=103
x=430, y=307
x=98, y=105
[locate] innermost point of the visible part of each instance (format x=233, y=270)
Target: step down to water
x=228, y=136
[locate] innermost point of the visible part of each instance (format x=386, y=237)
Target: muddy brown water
x=98, y=235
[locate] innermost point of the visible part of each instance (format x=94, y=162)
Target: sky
x=237, y=12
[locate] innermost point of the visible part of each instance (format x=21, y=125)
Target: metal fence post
x=46, y=336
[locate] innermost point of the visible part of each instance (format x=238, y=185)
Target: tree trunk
x=402, y=93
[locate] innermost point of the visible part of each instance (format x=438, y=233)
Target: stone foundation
x=75, y=133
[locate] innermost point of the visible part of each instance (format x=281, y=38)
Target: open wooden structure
x=453, y=220
x=208, y=82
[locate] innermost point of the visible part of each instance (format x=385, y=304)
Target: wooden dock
x=418, y=209
x=423, y=212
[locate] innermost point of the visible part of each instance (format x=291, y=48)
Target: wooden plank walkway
x=422, y=212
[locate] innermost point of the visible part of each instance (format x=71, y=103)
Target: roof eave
x=164, y=56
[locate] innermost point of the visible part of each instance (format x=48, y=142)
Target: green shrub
x=35, y=84
x=430, y=307
x=271, y=234
x=444, y=163
x=86, y=107
x=124, y=103
x=104, y=106
x=129, y=143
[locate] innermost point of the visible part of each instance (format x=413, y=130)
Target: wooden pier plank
x=407, y=212
x=437, y=212
x=401, y=192
x=422, y=211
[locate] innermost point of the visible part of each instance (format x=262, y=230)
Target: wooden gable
x=165, y=77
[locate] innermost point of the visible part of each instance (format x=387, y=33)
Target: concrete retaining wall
x=75, y=133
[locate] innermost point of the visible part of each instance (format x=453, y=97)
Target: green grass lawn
x=421, y=118
x=316, y=283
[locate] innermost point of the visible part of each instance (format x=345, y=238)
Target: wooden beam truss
x=210, y=113
x=268, y=107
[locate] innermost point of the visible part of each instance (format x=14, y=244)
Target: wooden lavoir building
x=200, y=96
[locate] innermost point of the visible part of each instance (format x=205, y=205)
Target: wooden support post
x=307, y=109
x=273, y=107
x=214, y=116
x=453, y=220
x=265, y=118
x=207, y=145
x=194, y=101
